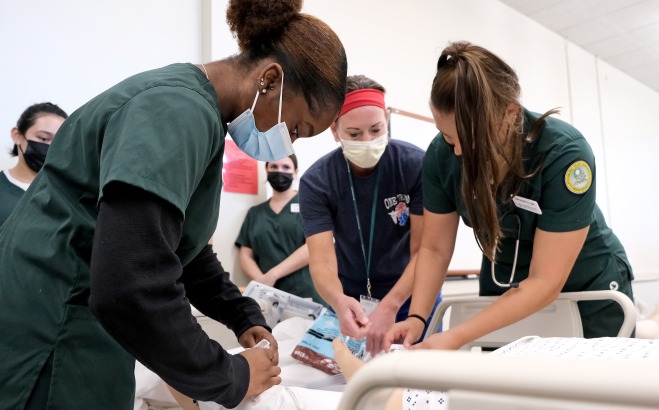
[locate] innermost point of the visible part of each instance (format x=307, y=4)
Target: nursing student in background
x=362, y=214
x=32, y=136
x=271, y=240
x=110, y=245
x=525, y=183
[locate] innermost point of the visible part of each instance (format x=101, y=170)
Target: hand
x=263, y=371
x=352, y=319
x=408, y=331
x=267, y=278
x=442, y=341
x=253, y=335
x=382, y=318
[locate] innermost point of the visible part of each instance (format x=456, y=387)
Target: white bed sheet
x=152, y=394
x=605, y=348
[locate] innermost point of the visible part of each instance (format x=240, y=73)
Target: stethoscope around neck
x=511, y=283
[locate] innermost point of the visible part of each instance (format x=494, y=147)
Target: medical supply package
x=315, y=348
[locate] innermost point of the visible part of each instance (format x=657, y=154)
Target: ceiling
x=624, y=33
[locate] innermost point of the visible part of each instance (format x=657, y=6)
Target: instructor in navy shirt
x=362, y=214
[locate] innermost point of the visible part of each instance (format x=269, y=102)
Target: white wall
x=629, y=113
x=68, y=51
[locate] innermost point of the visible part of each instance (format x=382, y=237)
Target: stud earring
x=263, y=91
x=262, y=83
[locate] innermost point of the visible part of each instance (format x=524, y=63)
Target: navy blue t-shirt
x=326, y=205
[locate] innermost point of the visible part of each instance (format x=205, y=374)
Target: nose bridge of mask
x=365, y=144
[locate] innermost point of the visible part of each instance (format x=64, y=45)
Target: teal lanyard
x=367, y=260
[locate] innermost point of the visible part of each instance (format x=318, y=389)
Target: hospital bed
x=498, y=382
x=559, y=319
x=423, y=369
x=549, y=378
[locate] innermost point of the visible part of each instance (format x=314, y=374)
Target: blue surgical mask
x=272, y=145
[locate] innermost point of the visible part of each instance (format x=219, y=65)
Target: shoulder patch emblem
x=578, y=177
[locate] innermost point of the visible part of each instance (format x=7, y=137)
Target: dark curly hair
x=309, y=52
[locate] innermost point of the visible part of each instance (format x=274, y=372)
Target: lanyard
x=367, y=260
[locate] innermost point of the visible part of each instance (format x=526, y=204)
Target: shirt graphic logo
x=578, y=177
x=401, y=212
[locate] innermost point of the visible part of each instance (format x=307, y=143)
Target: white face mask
x=365, y=154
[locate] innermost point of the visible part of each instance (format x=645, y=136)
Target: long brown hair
x=310, y=53
x=478, y=87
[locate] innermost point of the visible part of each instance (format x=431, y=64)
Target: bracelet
x=420, y=318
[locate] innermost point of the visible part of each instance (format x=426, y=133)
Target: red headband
x=360, y=98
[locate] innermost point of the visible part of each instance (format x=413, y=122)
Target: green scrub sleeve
x=437, y=197
x=160, y=141
x=245, y=234
x=136, y=294
x=568, y=188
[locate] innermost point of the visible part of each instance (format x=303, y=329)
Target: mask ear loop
x=281, y=95
x=255, y=99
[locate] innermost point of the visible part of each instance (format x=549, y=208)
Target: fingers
x=274, y=347
x=350, y=327
x=247, y=339
x=263, y=374
x=390, y=338
x=358, y=313
x=374, y=341
x=270, y=353
x=409, y=340
x=376, y=345
x=274, y=371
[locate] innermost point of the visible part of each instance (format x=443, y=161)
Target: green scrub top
x=160, y=131
x=564, y=189
x=10, y=194
x=274, y=237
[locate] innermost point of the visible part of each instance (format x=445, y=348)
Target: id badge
x=368, y=304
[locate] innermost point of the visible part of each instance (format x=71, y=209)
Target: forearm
x=210, y=290
x=135, y=296
x=429, y=274
x=248, y=264
x=296, y=261
x=402, y=290
x=327, y=283
x=533, y=294
x=324, y=268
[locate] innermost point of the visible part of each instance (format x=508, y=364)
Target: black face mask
x=280, y=181
x=35, y=154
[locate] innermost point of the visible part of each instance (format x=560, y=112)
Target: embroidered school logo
x=578, y=177
x=401, y=213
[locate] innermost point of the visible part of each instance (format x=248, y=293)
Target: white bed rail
x=506, y=382
x=564, y=300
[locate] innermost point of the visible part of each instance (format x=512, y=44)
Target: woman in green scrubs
x=525, y=183
x=109, y=246
x=271, y=240
x=32, y=135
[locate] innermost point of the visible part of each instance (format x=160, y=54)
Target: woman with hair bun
x=100, y=264
x=525, y=183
